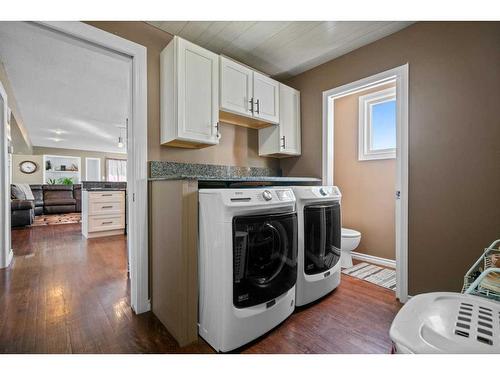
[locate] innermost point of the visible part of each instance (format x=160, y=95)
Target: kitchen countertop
x=103, y=185
x=104, y=189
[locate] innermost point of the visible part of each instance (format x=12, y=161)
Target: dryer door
x=264, y=257
x=322, y=236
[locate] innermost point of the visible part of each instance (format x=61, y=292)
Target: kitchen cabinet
x=103, y=213
x=189, y=94
x=247, y=98
x=236, y=87
x=266, y=96
x=284, y=139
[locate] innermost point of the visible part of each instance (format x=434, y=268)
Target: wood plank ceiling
x=281, y=48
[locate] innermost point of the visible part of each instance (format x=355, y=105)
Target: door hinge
x=398, y=194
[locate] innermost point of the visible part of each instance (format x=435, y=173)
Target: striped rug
x=385, y=277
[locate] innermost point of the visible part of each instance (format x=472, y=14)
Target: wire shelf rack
x=483, y=278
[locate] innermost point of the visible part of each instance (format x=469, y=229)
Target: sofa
x=49, y=199
x=22, y=212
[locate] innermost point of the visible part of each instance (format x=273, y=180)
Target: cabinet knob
x=284, y=142
x=257, y=103
x=251, y=105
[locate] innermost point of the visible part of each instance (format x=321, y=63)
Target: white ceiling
x=70, y=94
x=283, y=48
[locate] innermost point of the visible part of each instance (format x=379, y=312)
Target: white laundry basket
x=447, y=323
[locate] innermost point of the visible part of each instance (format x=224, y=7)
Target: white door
x=266, y=98
x=5, y=244
x=235, y=87
x=198, y=95
x=92, y=169
x=289, y=120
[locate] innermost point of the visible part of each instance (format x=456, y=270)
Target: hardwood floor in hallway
x=66, y=294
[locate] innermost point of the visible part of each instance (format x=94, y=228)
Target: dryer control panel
x=325, y=191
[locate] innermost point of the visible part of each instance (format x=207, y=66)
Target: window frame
x=365, y=139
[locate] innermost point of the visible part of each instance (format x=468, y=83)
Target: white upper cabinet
x=283, y=140
x=235, y=87
x=266, y=98
x=247, y=98
x=189, y=91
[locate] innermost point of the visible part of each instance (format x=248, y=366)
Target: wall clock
x=28, y=167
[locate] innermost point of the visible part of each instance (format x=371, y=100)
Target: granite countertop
x=104, y=189
x=236, y=179
x=165, y=170
x=103, y=186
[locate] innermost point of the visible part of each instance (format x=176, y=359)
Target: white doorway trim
x=99, y=178
x=400, y=75
x=137, y=173
x=5, y=248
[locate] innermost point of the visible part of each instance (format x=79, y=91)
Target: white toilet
x=350, y=241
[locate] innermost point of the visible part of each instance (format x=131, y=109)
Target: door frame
x=400, y=75
x=6, y=254
x=87, y=167
x=137, y=172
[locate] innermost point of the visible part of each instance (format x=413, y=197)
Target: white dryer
x=247, y=263
x=319, y=223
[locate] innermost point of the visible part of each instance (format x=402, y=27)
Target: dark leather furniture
x=77, y=193
x=58, y=199
x=38, y=194
x=49, y=199
x=22, y=212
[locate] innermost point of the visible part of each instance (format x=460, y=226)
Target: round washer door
x=264, y=257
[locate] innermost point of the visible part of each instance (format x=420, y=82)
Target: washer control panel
x=285, y=195
x=267, y=195
x=260, y=196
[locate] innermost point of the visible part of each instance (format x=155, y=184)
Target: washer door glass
x=322, y=236
x=264, y=257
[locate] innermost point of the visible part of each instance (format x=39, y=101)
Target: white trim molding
x=137, y=172
x=400, y=76
x=365, y=126
x=373, y=259
x=5, y=240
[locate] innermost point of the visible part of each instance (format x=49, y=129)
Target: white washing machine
x=320, y=225
x=247, y=263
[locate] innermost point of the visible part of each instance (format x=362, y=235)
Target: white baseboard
x=10, y=255
x=373, y=259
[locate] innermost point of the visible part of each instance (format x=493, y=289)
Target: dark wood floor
x=65, y=294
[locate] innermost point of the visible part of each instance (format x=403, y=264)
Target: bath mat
x=384, y=277
x=56, y=219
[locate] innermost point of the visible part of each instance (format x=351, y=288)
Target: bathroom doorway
x=366, y=155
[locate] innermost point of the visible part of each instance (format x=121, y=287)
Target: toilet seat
x=350, y=233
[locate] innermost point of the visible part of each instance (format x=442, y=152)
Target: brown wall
x=238, y=146
x=367, y=186
x=454, y=138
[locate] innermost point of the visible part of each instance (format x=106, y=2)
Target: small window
x=116, y=169
x=377, y=125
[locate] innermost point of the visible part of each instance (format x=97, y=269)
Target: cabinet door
x=235, y=87
x=289, y=120
x=266, y=98
x=198, y=93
